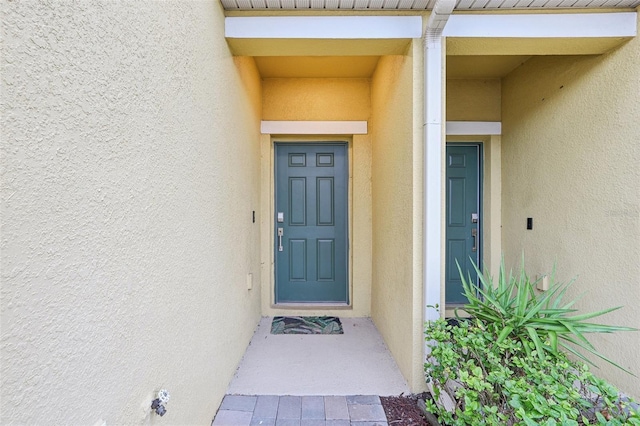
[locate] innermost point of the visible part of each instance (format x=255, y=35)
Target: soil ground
x=403, y=410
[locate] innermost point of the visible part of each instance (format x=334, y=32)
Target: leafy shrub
x=500, y=383
x=506, y=366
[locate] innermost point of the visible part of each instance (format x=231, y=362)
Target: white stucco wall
x=130, y=169
x=570, y=161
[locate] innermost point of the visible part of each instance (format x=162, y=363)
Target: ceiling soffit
x=391, y=5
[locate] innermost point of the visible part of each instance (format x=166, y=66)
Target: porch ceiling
x=462, y=5
x=316, y=66
x=458, y=67
x=482, y=67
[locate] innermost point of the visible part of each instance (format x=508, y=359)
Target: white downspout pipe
x=433, y=143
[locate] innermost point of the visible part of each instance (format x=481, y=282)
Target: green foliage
x=507, y=366
x=499, y=382
x=542, y=322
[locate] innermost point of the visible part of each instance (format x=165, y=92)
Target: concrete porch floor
x=354, y=363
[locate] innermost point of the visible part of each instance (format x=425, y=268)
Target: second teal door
x=311, y=223
x=463, y=217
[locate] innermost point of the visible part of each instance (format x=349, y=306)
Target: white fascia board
x=314, y=127
x=474, y=128
x=618, y=24
x=324, y=27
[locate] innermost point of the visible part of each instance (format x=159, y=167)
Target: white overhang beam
x=566, y=25
x=324, y=27
x=321, y=35
x=539, y=34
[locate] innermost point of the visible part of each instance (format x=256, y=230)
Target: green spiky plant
x=541, y=321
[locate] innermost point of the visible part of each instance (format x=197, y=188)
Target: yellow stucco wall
x=322, y=99
x=473, y=100
x=126, y=138
x=492, y=202
x=316, y=99
x=570, y=161
x=251, y=81
x=395, y=298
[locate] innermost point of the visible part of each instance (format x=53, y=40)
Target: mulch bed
x=403, y=410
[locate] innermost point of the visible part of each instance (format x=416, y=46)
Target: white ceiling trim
x=474, y=128
x=543, y=25
x=314, y=127
x=324, y=27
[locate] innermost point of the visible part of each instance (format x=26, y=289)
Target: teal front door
x=311, y=223
x=463, y=217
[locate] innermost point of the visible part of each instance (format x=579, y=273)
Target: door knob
x=280, y=234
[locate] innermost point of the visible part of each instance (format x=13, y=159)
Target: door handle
x=474, y=235
x=280, y=234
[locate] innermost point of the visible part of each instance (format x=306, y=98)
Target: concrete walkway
x=354, y=363
x=240, y=410
x=313, y=380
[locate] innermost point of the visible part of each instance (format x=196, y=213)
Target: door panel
x=462, y=230
x=311, y=193
x=298, y=201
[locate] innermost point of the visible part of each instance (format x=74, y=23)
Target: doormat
x=306, y=325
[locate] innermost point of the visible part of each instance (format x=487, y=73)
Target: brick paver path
x=266, y=410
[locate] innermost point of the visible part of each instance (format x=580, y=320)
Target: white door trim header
x=474, y=128
x=458, y=128
x=314, y=127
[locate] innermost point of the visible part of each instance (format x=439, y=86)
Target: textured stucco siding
x=130, y=168
x=473, y=100
x=316, y=99
x=570, y=161
x=393, y=184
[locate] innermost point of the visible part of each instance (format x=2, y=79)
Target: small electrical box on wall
x=543, y=283
x=249, y=281
x=529, y=223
